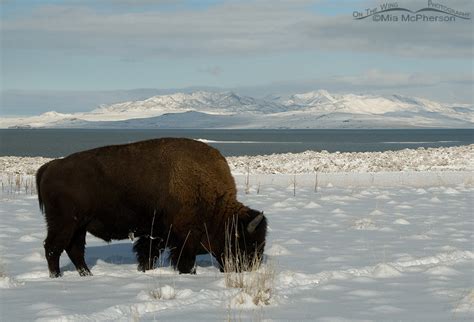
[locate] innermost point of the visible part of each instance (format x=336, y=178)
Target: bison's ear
x=254, y=223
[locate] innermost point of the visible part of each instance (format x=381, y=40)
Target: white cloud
x=230, y=29
x=211, y=70
x=375, y=78
x=446, y=87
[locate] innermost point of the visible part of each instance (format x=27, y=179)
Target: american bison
x=171, y=192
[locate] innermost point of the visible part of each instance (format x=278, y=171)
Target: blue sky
x=54, y=47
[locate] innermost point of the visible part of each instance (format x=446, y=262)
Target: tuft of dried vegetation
x=245, y=272
x=247, y=180
x=163, y=293
x=16, y=183
x=2, y=271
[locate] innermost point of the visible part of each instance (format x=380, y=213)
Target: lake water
x=61, y=142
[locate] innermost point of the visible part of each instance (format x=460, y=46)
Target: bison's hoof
x=84, y=272
x=143, y=268
x=191, y=271
x=55, y=274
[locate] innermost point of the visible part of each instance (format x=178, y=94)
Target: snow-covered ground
x=431, y=159
x=421, y=159
x=356, y=245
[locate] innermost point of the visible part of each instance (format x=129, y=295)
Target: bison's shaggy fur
x=175, y=193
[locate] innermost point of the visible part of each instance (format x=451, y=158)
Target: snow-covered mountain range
x=316, y=109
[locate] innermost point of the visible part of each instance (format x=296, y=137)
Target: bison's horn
x=254, y=223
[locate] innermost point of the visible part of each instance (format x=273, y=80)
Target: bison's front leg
x=183, y=258
x=148, y=251
x=185, y=264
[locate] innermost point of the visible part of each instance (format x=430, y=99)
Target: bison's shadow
x=122, y=254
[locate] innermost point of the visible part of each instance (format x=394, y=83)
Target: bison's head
x=245, y=241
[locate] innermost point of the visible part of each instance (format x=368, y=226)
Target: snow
x=340, y=165
x=324, y=269
x=315, y=109
x=352, y=236
x=356, y=246
x=431, y=159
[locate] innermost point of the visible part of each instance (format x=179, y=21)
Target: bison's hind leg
x=75, y=251
x=148, y=251
x=52, y=253
x=55, y=243
x=64, y=233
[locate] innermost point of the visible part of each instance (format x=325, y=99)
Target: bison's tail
x=39, y=174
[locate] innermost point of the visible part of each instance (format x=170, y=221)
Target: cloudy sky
x=71, y=55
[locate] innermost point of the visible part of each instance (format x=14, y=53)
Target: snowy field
x=345, y=245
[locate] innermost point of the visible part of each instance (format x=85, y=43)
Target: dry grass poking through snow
x=12, y=183
x=2, y=271
x=165, y=292
x=255, y=281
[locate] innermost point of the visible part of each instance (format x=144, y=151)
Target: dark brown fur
x=182, y=187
